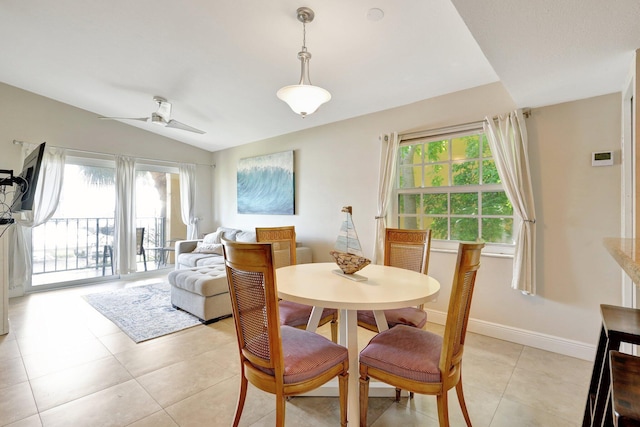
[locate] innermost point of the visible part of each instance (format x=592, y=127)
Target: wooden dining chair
x=278, y=359
x=420, y=361
x=293, y=313
x=408, y=249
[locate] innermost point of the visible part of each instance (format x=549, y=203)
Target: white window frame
x=492, y=249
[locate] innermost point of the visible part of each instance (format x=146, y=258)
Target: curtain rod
x=462, y=127
x=74, y=150
x=526, y=112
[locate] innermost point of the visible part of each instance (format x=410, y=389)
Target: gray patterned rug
x=142, y=312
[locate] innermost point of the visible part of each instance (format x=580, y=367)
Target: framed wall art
x=266, y=184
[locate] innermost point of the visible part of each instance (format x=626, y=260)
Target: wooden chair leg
x=281, y=403
x=443, y=409
x=463, y=404
x=343, y=385
x=364, y=396
x=334, y=330
x=244, y=384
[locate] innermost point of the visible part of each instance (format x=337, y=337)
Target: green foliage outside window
x=452, y=187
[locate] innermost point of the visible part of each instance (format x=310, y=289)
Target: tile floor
x=64, y=364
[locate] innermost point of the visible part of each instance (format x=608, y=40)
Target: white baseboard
x=538, y=340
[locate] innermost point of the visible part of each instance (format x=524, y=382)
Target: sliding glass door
x=76, y=243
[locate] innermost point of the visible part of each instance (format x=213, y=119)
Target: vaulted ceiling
x=221, y=62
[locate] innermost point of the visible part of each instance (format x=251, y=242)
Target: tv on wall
x=23, y=199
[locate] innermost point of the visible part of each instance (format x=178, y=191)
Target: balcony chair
x=108, y=251
x=293, y=313
x=140, y=245
x=408, y=249
x=421, y=361
x=278, y=359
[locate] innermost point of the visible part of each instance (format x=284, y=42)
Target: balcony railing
x=68, y=244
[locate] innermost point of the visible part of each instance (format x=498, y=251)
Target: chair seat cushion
x=410, y=316
x=306, y=354
x=405, y=351
x=294, y=314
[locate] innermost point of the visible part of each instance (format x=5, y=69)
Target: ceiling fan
x=162, y=116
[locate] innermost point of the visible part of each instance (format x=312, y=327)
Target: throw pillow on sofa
x=212, y=238
x=208, y=248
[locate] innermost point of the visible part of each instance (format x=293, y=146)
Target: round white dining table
x=322, y=285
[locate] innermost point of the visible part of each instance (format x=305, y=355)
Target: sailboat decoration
x=348, y=253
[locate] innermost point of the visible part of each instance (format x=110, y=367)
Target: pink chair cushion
x=294, y=314
x=405, y=351
x=307, y=354
x=410, y=316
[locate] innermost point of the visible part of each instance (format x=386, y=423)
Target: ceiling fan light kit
x=161, y=117
x=304, y=98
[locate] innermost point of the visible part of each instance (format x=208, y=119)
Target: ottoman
x=201, y=291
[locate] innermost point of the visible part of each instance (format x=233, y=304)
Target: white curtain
x=45, y=203
x=188, y=199
x=125, y=216
x=507, y=136
x=388, y=155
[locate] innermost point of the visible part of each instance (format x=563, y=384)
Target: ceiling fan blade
x=177, y=125
x=142, y=119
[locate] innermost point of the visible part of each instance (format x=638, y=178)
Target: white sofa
x=207, y=252
x=199, y=283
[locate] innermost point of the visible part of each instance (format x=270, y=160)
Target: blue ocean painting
x=266, y=185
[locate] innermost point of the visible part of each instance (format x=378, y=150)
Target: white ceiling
x=221, y=62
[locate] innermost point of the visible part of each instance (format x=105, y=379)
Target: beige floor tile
x=487, y=374
x=32, y=421
x=218, y=403
x=568, y=368
x=172, y=349
x=8, y=348
x=119, y=342
x=402, y=415
x=481, y=405
x=70, y=384
x=159, y=419
x=58, y=358
x=176, y=382
x=119, y=405
x=17, y=403
x=500, y=351
x=12, y=372
x=510, y=414
x=307, y=412
x=547, y=393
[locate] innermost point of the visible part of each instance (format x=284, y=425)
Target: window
x=447, y=181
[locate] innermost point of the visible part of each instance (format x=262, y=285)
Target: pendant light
x=304, y=98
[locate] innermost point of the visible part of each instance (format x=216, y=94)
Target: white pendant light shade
x=304, y=99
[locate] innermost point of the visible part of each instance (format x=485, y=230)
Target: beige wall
x=577, y=205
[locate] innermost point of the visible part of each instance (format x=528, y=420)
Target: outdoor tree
x=453, y=215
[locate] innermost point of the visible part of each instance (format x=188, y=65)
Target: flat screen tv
x=24, y=195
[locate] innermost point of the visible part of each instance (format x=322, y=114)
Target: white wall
x=577, y=206
x=25, y=116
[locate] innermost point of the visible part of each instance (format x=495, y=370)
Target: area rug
x=142, y=312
